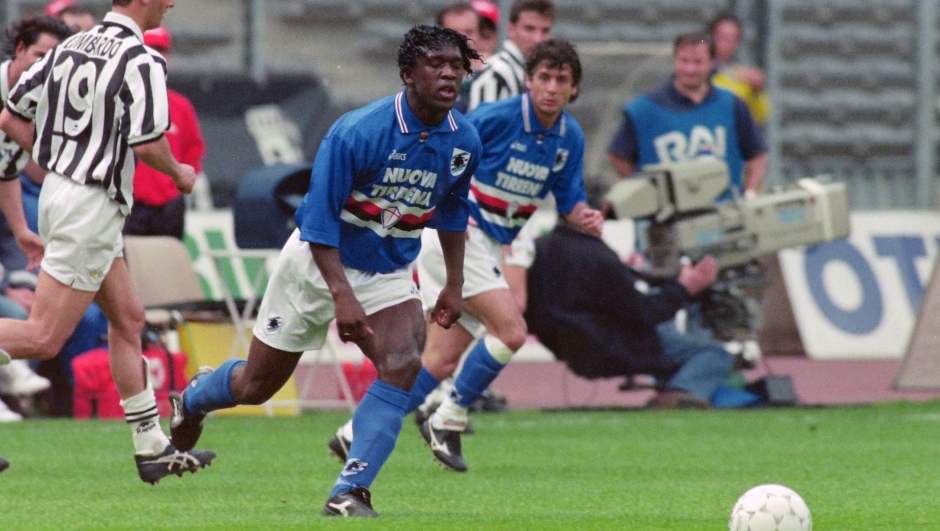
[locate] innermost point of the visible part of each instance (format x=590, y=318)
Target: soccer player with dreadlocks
x=382, y=174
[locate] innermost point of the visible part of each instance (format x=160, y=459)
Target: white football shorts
x=297, y=307
x=482, y=272
x=81, y=229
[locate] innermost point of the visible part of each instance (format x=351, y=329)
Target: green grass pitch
x=865, y=468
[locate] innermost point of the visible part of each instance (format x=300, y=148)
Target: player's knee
x=46, y=346
x=514, y=336
x=399, y=369
x=131, y=323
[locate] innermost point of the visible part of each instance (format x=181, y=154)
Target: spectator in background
x=685, y=119
x=745, y=81
x=159, y=207
x=489, y=27
x=530, y=22
x=78, y=18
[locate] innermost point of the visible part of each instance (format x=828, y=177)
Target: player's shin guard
x=424, y=384
x=481, y=367
x=376, y=423
x=213, y=391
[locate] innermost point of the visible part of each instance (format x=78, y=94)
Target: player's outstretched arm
x=158, y=156
x=447, y=309
x=350, y=317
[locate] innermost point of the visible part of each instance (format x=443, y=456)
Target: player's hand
x=351, y=320
x=699, y=276
x=448, y=307
x=591, y=221
x=31, y=244
x=187, y=179
x=635, y=261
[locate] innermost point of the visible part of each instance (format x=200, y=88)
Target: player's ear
x=574, y=93
x=20, y=49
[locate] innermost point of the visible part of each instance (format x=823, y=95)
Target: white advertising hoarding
x=859, y=297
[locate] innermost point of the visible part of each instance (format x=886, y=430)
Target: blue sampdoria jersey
x=523, y=162
x=380, y=176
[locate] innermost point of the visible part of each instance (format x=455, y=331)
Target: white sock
x=450, y=416
x=142, y=415
x=347, y=430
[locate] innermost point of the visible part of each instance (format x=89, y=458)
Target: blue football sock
x=478, y=372
x=424, y=384
x=376, y=423
x=213, y=391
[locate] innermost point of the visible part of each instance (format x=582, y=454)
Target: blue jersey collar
x=531, y=123
x=408, y=123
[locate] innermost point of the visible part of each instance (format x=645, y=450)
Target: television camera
x=678, y=200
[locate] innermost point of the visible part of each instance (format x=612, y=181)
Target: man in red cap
x=55, y=7
x=159, y=207
x=489, y=23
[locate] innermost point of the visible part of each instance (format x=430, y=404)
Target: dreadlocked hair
x=423, y=39
x=28, y=30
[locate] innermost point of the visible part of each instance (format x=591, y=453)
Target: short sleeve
x=331, y=179
x=147, y=108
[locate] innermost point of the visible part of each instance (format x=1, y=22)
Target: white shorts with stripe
x=297, y=307
x=482, y=272
x=81, y=229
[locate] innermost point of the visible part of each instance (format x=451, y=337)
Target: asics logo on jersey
x=397, y=156
x=519, y=146
x=354, y=467
x=675, y=146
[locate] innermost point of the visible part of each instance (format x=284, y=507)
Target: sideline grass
x=861, y=468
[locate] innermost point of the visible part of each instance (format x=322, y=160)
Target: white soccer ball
x=770, y=508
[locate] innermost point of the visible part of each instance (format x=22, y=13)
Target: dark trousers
x=152, y=220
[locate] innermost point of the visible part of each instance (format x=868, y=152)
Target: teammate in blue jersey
x=531, y=147
x=381, y=175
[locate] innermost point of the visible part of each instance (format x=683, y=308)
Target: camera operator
x=605, y=319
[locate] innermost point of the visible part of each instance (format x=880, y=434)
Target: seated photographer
x=605, y=319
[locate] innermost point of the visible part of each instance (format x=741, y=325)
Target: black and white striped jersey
x=93, y=97
x=12, y=157
x=503, y=77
